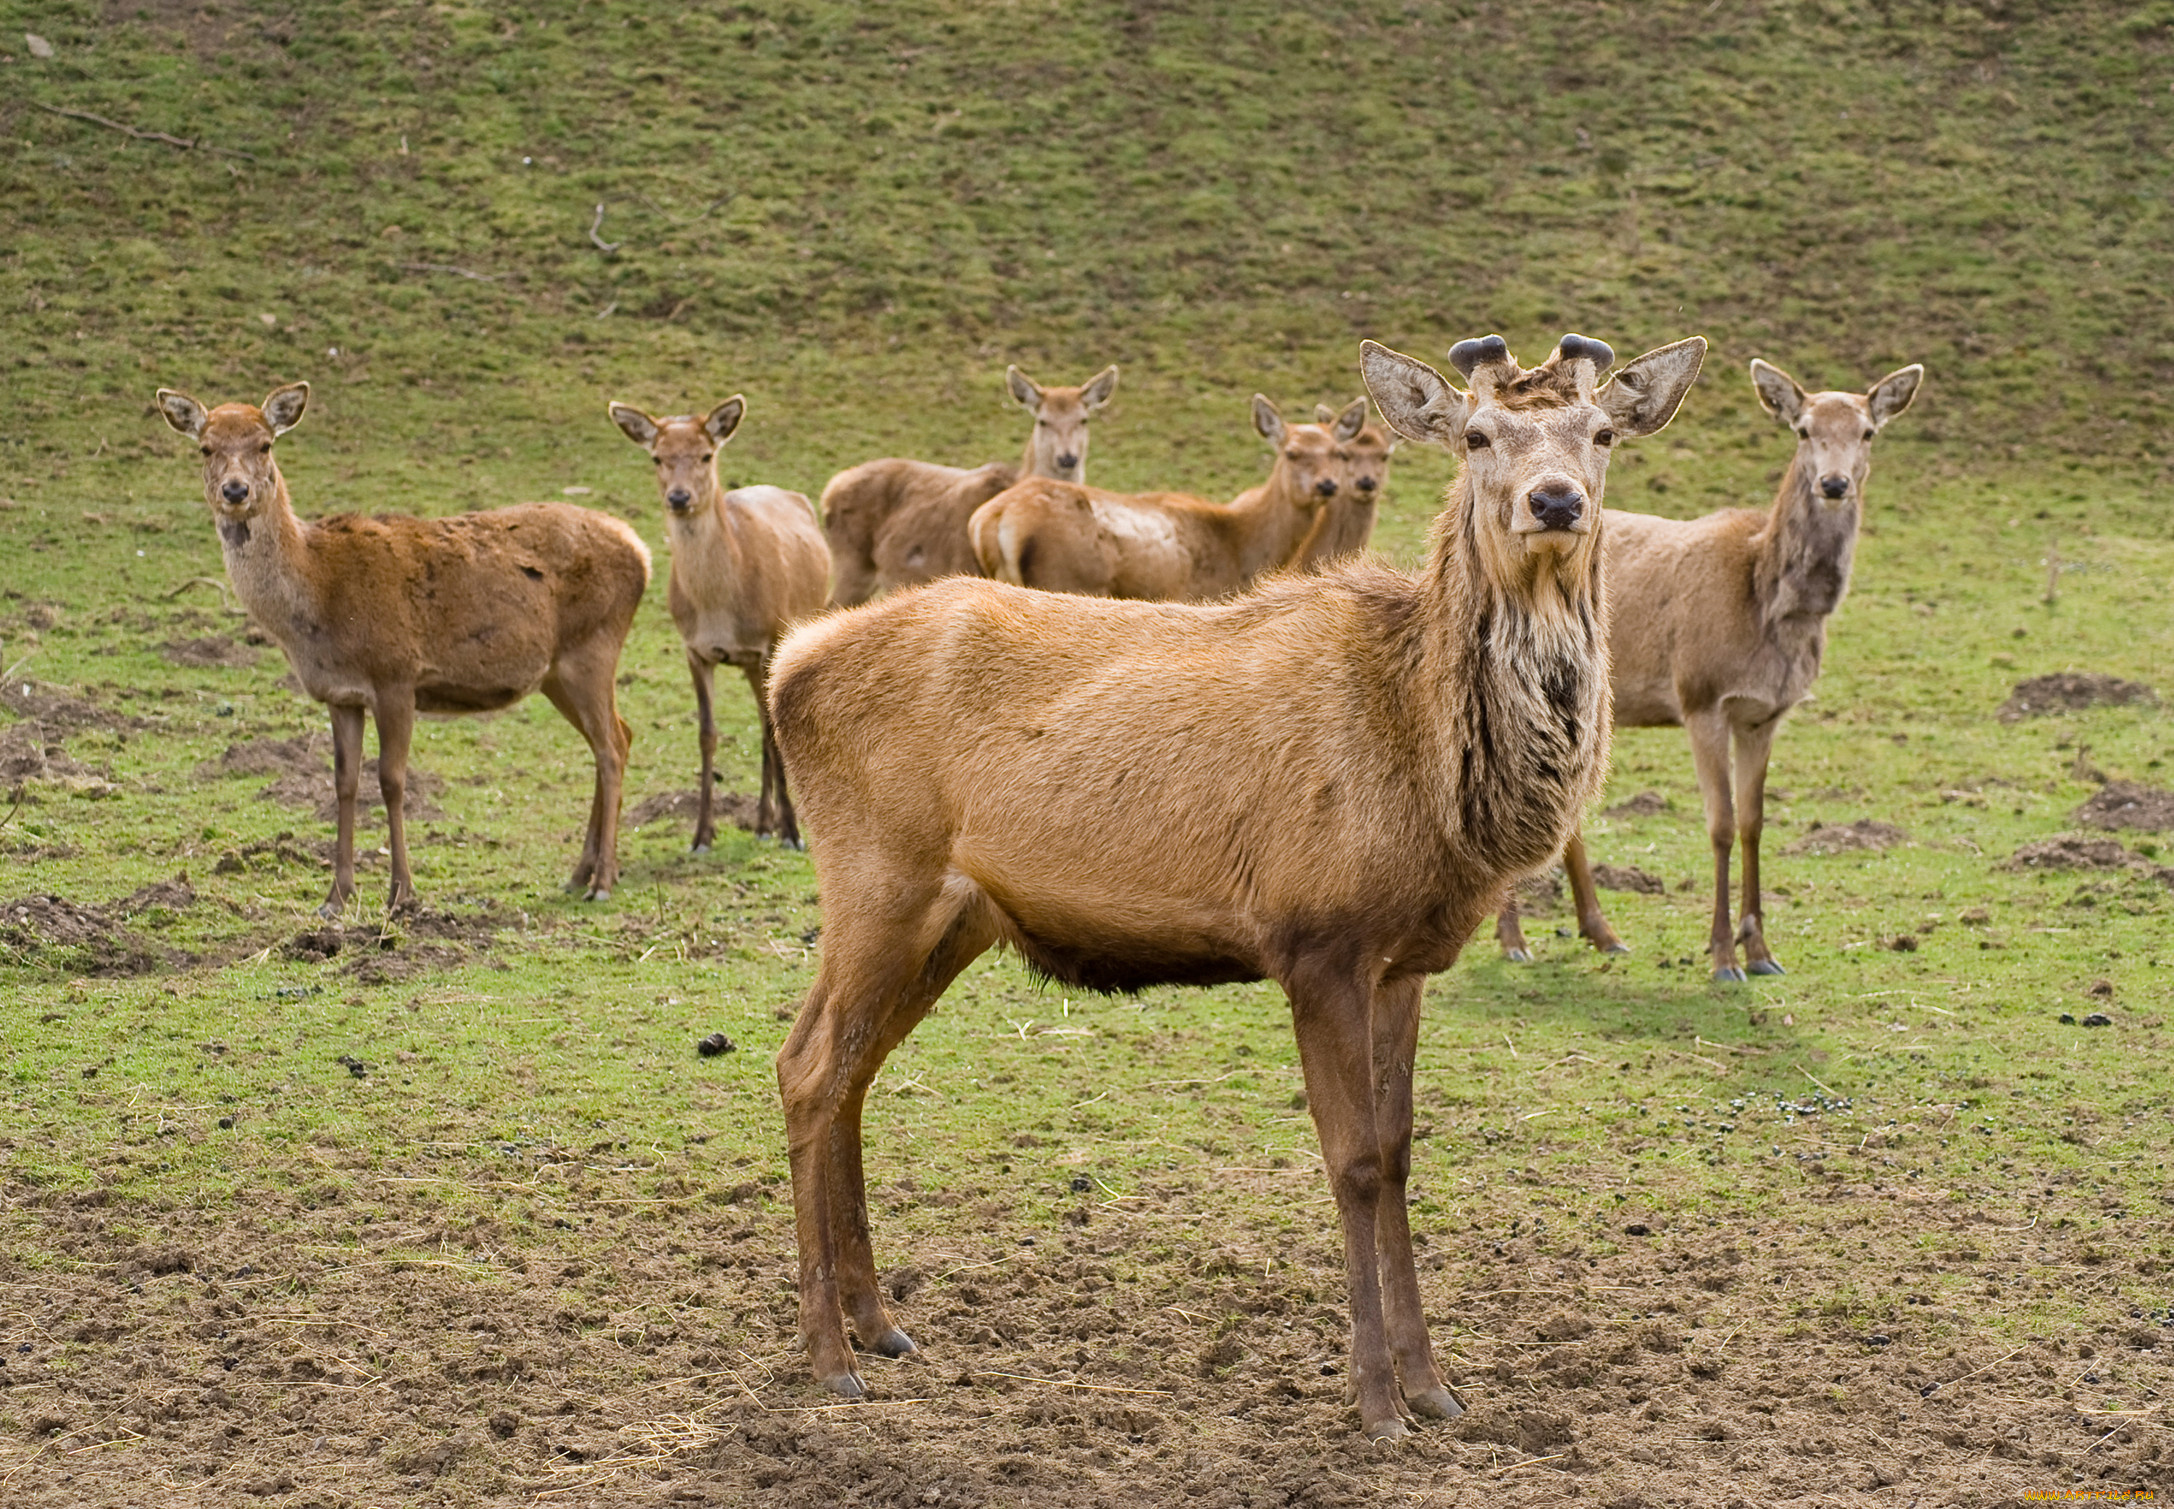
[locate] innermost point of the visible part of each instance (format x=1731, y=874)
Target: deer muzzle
x=1556, y=506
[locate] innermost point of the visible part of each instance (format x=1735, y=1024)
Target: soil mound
x=1866, y=833
x=301, y=771
x=94, y=939
x=2069, y=692
x=1644, y=804
x=2127, y=804
x=735, y=807
x=1628, y=878
x=60, y=712
x=29, y=753
x=2071, y=851
x=420, y=939
x=209, y=651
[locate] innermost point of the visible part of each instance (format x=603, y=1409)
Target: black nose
x=1326, y=487
x=1557, y=508
x=234, y=492
x=1834, y=487
x=1067, y=462
x=1367, y=484
x=679, y=497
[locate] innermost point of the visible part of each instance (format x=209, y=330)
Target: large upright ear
x=1025, y=391
x=1100, y=389
x=639, y=427
x=1645, y=395
x=1268, y=419
x=725, y=418
x=1347, y=425
x=182, y=412
x=1779, y=394
x=1892, y=393
x=283, y=407
x=1418, y=402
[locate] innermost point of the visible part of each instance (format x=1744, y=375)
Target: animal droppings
x=715, y=1044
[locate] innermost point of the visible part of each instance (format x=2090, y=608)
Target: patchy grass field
x=448, y=1209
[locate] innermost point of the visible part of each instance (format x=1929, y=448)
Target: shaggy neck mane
x=1524, y=668
x=1805, y=552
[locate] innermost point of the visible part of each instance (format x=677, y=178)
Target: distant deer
x=746, y=565
x=1171, y=547
x=1724, y=626
x=1327, y=782
x=897, y=523
x=1347, y=526
x=395, y=615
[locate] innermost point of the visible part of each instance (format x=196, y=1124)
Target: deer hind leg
x=1590, y=921
x=346, y=789
x=874, y=985
x=579, y=685
x=1330, y=1012
x=1396, y=1046
x=774, y=813
x=1510, y=933
x=395, y=727
x=1709, y=733
x=705, y=711
x=1753, y=746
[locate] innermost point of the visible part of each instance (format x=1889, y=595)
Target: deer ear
x=1100, y=389
x=1351, y=421
x=1644, y=396
x=725, y=418
x=638, y=427
x=283, y=407
x=1418, y=402
x=1779, y=394
x=1268, y=420
x=1892, y=393
x=182, y=412
x=1025, y=391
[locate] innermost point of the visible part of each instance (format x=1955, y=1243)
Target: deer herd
x=1137, y=738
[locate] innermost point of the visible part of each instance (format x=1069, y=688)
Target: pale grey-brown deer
x=1327, y=782
x=1720, y=626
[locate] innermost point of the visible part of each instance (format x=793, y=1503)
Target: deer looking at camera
x=1169, y=547
x=394, y=616
x=1723, y=623
x=746, y=565
x=1327, y=782
x=1347, y=525
x=897, y=523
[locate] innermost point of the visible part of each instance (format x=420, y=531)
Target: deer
x=1328, y=782
x=897, y=523
x=394, y=615
x=1364, y=448
x=1729, y=634
x=746, y=565
x=1168, y=547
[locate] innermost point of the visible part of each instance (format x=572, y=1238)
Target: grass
x=858, y=216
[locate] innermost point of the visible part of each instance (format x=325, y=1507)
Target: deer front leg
x=346, y=787
x=1753, y=747
x=1329, y=1012
x=705, y=710
x=1709, y=733
x=395, y=727
x=776, y=800
x=1395, y=1033
x=1510, y=933
x=1590, y=922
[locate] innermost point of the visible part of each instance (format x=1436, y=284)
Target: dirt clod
x=1865, y=834
x=2127, y=804
x=2071, y=691
x=95, y=939
x=1644, y=804
x=2098, y=1019
x=1628, y=878
x=734, y=807
x=2070, y=851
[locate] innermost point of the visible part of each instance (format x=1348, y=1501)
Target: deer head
x=1366, y=448
x=241, y=479
x=1306, y=454
x=685, y=449
x=1059, y=446
x=1834, y=430
x=1534, y=443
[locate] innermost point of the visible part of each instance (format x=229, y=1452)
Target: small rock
x=1081, y=1184
x=2098, y=1019
x=715, y=1044
x=2068, y=1018
x=39, y=47
x=2101, y=988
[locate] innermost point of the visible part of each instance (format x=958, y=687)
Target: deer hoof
x=701, y=846
x=1391, y=1429
x=601, y=893
x=1434, y=1404
x=1728, y=974
x=848, y=1384
x=894, y=1343
x=1766, y=967
x=1517, y=956
x=1615, y=946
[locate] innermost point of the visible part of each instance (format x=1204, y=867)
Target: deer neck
x=1030, y=463
x=267, y=560
x=1272, y=522
x=1805, y=552
x=1514, y=677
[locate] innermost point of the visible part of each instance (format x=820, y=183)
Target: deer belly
x=453, y=700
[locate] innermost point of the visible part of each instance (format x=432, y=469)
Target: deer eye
x=1605, y=437
x=1868, y=434
x=1475, y=441
x=1804, y=432
x=205, y=449
x=265, y=449
x=707, y=457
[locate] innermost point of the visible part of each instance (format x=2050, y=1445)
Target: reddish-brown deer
x=1347, y=525
x=1327, y=782
x=394, y=616
x=1722, y=629
x=897, y=523
x=1169, y=547
x=746, y=566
